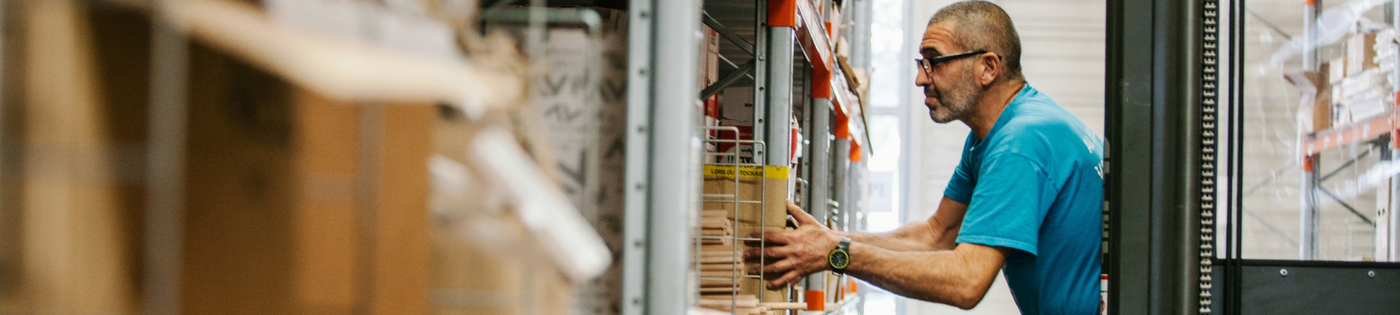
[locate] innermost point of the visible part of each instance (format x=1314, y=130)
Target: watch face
x=839, y=259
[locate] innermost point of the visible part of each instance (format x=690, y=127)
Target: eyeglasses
x=928, y=64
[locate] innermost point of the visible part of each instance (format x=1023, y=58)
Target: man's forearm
x=917, y=236
x=941, y=276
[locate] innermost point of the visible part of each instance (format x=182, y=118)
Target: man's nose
x=921, y=78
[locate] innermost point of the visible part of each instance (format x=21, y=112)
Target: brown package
x=767, y=184
x=278, y=182
x=1360, y=52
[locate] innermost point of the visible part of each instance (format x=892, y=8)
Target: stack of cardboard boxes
x=1357, y=85
x=758, y=204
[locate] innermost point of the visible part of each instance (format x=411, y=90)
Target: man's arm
x=939, y=232
x=959, y=276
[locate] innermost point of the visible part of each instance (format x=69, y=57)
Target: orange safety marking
x=816, y=300
x=1308, y=163
x=821, y=81
x=855, y=155
x=782, y=13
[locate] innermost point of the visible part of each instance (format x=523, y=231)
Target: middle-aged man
x=1026, y=198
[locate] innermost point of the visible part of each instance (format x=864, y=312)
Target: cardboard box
x=1360, y=52
x=279, y=180
x=1337, y=70
x=767, y=184
x=1314, y=89
x=709, y=74
x=73, y=182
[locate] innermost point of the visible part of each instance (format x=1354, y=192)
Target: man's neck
x=990, y=106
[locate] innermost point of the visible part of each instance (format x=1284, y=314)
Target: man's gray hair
x=982, y=25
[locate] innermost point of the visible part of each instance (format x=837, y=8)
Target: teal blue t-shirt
x=1035, y=185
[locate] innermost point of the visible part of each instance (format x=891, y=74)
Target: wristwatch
x=840, y=257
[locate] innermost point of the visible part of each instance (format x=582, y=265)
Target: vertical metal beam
x=1311, y=9
x=1392, y=235
x=1181, y=254
x=638, y=153
x=1128, y=101
x=1308, y=211
x=860, y=34
x=760, y=75
x=1381, y=238
x=779, y=105
x=1152, y=105
x=1387, y=235
x=673, y=157
x=840, y=190
x=819, y=191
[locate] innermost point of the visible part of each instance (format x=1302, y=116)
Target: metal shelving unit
x=785, y=50
x=1381, y=130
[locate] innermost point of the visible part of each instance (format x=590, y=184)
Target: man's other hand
x=797, y=253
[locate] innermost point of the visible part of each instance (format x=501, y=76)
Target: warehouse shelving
x=370, y=75
x=1382, y=130
x=785, y=50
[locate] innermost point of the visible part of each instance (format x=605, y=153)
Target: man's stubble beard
x=957, y=103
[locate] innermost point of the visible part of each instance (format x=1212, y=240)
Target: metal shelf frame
x=662, y=147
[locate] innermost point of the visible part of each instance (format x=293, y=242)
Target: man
x=1026, y=198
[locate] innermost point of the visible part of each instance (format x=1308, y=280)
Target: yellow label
x=775, y=172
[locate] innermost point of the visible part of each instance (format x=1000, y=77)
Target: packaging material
x=1313, y=89
x=581, y=98
x=1337, y=70
x=1366, y=94
x=1332, y=25
x=767, y=184
x=1360, y=53
x=71, y=200
x=736, y=110
x=709, y=74
x=279, y=181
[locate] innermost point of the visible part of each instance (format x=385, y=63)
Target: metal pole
x=1308, y=214
x=1384, y=199
x=760, y=82
x=638, y=139
x=819, y=191
x=840, y=167
x=1310, y=11
x=1393, y=232
x=675, y=156
x=779, y=104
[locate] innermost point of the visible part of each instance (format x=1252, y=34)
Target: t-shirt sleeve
x=960, y=186
x=1008, y=204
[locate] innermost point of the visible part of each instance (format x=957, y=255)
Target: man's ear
x=991, y=68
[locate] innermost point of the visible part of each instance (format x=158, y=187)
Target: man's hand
x=795, y=254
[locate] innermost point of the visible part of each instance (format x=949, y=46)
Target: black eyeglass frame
x=928, y=64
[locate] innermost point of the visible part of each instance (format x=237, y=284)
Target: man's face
x=950, y=91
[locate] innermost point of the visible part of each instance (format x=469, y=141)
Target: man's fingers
x=780, y=267
x=802, y=217
x=778, y=252
x=770, y=252
x=772, y=238
x=790, y=277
